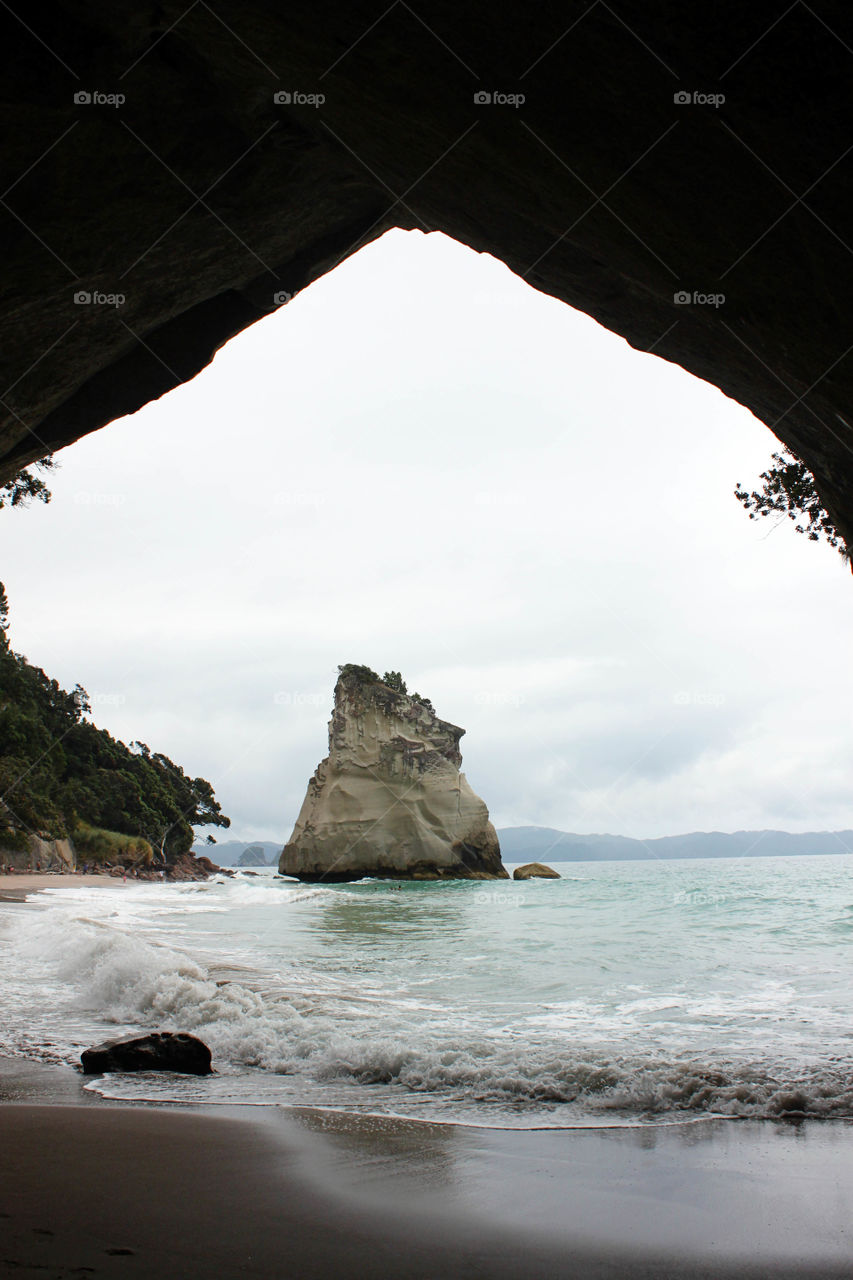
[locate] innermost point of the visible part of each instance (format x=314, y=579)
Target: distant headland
x=522, y=844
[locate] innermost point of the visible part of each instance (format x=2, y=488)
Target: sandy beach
x=99, y=1189
x=20, y=885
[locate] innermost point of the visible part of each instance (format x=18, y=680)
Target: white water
x=625, y=991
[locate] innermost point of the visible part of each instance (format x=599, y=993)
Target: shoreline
x=363, y=1196
x=17, y=886
x=107, y=1187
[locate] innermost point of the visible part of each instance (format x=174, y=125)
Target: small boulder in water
x=535, y=871
x=160, y=1051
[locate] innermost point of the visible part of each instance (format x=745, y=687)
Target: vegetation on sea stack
x=391, y=679
x=61, y=776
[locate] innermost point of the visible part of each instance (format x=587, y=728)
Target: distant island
x=242, y=853
x=529, y=844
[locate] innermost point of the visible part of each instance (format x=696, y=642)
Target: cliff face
x=49, y=855
x=389, y=799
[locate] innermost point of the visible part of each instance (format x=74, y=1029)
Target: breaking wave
x=313, y=1035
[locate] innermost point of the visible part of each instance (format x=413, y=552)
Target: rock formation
x=535, y=871
x=42, y=853
x=389, y=800
x=159, y=1051
x=678, y=172
x=254, y=856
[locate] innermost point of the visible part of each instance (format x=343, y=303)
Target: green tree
x=27, y=485
x=789, y=489
x=352, y=669
x=394, y=680
x=59, y=773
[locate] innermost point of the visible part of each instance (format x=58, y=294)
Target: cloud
x=421, y=463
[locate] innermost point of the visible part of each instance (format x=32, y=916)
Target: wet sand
x=20, y=885
x=89, y=1188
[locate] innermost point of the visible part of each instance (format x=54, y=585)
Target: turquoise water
x=625, y=992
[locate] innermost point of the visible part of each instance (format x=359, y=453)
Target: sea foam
x=343, y=996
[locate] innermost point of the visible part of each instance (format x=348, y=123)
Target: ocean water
x=624, y=993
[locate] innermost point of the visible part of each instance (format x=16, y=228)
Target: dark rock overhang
x=660, y=150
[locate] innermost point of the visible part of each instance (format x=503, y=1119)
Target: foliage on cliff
x=27, y=485
x=60, y=775
x=393, y=679
x=789, y=490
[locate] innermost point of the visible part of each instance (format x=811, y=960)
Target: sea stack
x=389, y=800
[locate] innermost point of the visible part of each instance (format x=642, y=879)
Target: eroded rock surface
x=41, y=854
x=389, y=799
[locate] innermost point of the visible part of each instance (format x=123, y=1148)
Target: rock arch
x=171, y=177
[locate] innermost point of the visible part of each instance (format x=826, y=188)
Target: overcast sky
x=421, y=463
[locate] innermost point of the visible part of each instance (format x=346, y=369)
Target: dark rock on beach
x=160, y=1051
x=535, y=871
